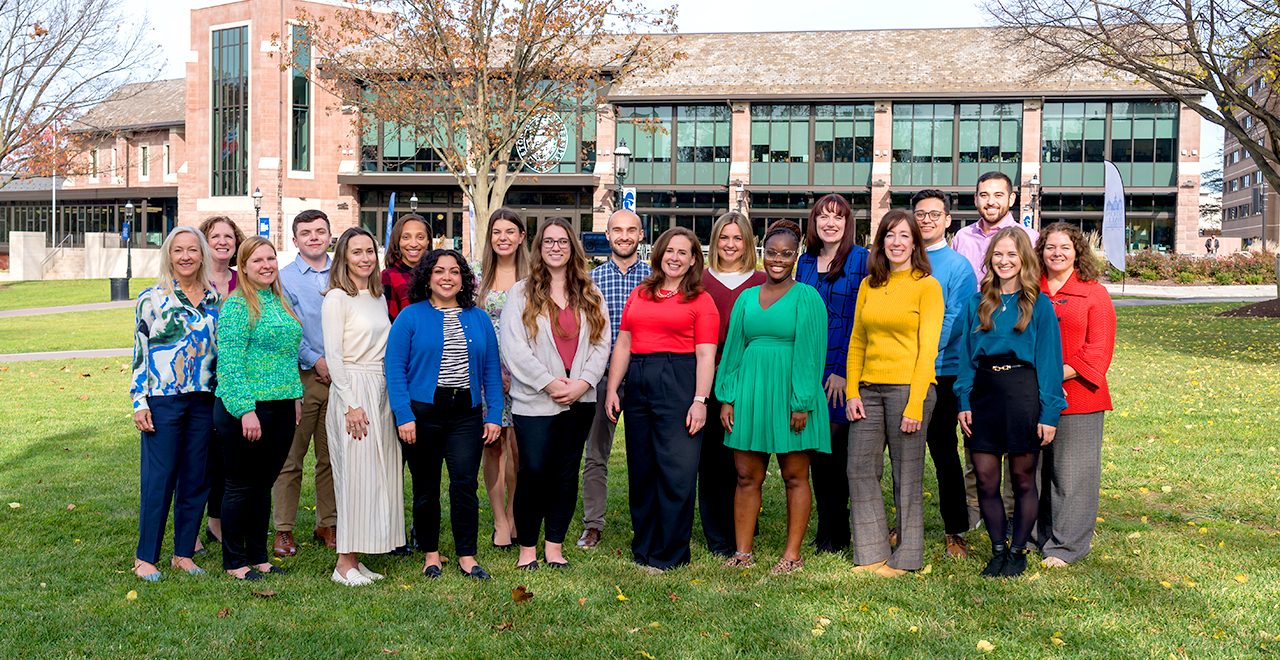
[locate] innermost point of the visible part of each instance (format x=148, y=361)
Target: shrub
x=1184, y=277
x=1114, y=274
x=1148, y=275
x=1253, y=278
x=1223, y=277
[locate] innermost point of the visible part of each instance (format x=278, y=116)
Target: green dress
x=772, y=366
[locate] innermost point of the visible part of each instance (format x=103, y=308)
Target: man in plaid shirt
x=616, y=278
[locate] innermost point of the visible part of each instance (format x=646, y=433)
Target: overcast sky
x=172, y=28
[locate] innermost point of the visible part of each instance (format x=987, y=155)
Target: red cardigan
x=1087, y=322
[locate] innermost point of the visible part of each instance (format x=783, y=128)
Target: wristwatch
x=700, y=399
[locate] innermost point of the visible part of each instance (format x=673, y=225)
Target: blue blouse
x=840, y=296
x=415, y=346
x=174, y=348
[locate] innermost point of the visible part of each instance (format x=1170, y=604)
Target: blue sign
x=391, y=210
x=264, y=227
x=125, y=232
x=1026, y=220
x=628, y=199
x=596, y=244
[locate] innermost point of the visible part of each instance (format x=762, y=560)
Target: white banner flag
x=1113, y=219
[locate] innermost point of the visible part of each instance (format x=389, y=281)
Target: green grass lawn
x=67, y=331
x=54, y=293
x=1184, y=564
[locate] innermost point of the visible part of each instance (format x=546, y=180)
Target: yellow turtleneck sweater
x=895, y=335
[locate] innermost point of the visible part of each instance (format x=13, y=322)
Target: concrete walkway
x=1224, y=293
x=1142, y=302
x=67, y=355
x=89, y=307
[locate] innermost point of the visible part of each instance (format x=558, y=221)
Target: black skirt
x=1006, y=407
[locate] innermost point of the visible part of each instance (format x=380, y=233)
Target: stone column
x=604, y=198
x=881, y=163
x=1031, y=124
x=740, y=155
x=1186, y=228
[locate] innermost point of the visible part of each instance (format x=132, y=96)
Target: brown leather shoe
x=590, y=538
x=956, y=547
x=893, y=538
x=327, y=535
x=284, y=545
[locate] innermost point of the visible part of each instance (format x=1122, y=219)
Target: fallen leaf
x=671, y=595
x=391, y=651
x=1134, y=535
x=263, y=594
x=985, y=646
x=1242, y=578
x=1167, y=489
x=222, y=613
x=132, y=595
x=1204, y=530
x=927, y=569
x=520, y=594
x=1057, y=641
x=15, y=505
x=619, y=596
x=71, y=507
x=645, y=655
x=1165, y=584
x=582, y=601
x=695, y=581
x=1188, y=581
x=913, y=629
x=503, y=626
x=824, y=621
x=893, y=610
x=1034, y=576
x=406, y=586
x=655, y=624
x=817, y=632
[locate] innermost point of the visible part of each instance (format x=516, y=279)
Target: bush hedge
x=1239, y=268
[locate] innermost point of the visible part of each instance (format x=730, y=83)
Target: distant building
x=1250, y=209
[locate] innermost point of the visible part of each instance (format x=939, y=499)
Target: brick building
x=765, y=122
x=1250, y=209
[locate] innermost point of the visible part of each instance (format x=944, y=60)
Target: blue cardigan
x=413, y=355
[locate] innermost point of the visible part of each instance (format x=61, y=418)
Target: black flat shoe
x=531, y=566
x=494, y=541
x=209, y=538
x=251, y=576
x=432, y=572
x=999, y=554
x=1015, y=563
x=402, y=551
x=475, y=572
x=277, y=570
x=558, y=564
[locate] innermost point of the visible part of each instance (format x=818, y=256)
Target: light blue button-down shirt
x=304, y=286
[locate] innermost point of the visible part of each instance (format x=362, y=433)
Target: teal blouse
x=258, y=361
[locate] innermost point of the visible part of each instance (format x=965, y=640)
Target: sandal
x=741, y=560
x=149, y=577
x=785, y=566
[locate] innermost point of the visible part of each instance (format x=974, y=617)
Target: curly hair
x=420, y=278
x=1086, y=265
x=691, y=284
x=207, y=225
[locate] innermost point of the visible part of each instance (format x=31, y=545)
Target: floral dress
x=493, y=303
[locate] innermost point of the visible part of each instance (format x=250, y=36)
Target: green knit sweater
x=259, y=361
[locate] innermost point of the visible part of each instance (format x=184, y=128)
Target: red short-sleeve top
x=670, y=325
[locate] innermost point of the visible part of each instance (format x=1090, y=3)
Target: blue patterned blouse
x=174, y=348
x=840, y=296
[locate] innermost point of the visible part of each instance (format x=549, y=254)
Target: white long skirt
x=368, y=477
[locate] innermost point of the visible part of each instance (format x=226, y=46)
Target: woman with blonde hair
x=731, y=269
x=368, y=478
x=174, y=357
x=504, y=261
x=258, y=406
x=555, y=339
x=1010, y=389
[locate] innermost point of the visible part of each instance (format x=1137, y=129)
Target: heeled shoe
x=494, y=541
x=209, y=538
x=999, y=554
x=1015, y=563
x=476, y=572
x=251, y=576
x=277, y=570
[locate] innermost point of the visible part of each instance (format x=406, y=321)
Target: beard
x=621, y=254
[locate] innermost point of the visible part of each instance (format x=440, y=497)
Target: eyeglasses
x=774, y=254
x=932, y=215
x=562, y=243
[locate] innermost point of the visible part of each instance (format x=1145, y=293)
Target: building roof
x=928, y=63
x=156, y=104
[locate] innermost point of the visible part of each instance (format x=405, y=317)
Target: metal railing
x=56, y=251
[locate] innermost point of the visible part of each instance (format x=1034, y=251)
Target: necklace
x=888, y=291
x=663, y=295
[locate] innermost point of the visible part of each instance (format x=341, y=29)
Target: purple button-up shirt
x=972, y=243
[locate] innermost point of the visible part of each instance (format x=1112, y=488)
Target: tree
x=468, y=79
x=1211, y=180
x=1226, y=49
x=60, y=58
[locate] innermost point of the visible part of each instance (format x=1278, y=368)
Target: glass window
x=647, y=130
x=300, y=135
x=145, y=165
x=702, y=144
x=780, y=144
x=230, y=106
x=842, y=144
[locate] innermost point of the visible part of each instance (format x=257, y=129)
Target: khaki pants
x=284, y=495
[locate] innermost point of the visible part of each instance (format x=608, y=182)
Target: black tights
x=1026, y=499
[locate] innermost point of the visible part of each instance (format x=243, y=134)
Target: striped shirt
x=453, y=360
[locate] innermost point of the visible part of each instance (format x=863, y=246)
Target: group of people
x=824, y=355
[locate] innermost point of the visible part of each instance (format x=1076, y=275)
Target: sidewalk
x=89, y=307
x=1223, y=293
x=67, y=355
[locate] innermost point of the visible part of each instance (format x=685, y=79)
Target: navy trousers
x=662, y=458
x=174, y=459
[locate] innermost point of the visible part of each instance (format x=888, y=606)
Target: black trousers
x=449, y=430
x=251, y=469
x=717, y=483
x=831, y=491
x=942, y=441
x=662, y=458
x=547, y=477
x=217, y=475
x=173, y=471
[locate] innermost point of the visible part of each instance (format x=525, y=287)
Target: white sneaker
x=364, y=570
x=355, y=578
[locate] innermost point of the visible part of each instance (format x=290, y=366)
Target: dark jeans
x=173, y=462
x=717, y=483
x=547, y=477
x=943, y=443
x=831, y=491
x=662, y=458
x=252, y=468
x=451, y=430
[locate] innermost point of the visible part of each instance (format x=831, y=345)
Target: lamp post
x=740, y=192
x=621, y=163
x=1035, y=200
x=413, y=203
x=128, y=241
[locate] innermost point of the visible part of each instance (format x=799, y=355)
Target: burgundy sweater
x=725, y=298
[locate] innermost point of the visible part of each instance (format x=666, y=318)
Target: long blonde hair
x=166, y=277
x=340, y=276
x=746, y=262
x=1028, y=280
x=248, y=289
x=578, y=287
x=489, y=260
